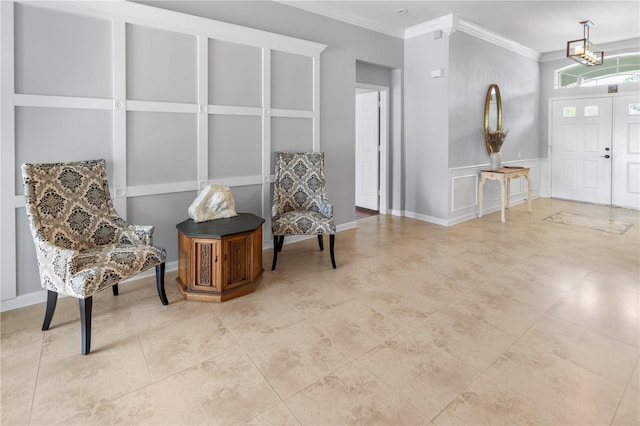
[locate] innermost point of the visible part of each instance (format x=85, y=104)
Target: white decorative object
x=213, y=202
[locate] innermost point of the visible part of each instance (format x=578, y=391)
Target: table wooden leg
x=502, y=200
x=508, y=194
x=481, y=194
x=529, y=191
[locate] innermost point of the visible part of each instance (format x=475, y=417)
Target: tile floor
x=528, y=322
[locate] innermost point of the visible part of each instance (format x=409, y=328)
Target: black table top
x=218, y=228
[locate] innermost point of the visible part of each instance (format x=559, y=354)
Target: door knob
x=605, y=156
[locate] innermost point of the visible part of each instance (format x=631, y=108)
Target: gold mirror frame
x=487, y=106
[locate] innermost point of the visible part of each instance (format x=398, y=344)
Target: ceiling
x=544, y=26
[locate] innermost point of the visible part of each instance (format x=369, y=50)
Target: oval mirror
x=492, y=113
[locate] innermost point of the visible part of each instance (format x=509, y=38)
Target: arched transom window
x=615, y=70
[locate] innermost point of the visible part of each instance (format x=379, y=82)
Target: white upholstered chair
x=300, y=204
x=82, y=245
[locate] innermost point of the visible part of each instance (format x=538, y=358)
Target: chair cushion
x=95, y=269
x=309, y=222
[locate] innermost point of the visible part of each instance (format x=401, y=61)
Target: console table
x=504, y=175
x=220, y=259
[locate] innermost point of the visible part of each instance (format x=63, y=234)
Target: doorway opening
x=371, y=149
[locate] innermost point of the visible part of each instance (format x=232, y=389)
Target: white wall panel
x=169, y=100
x=58, y=53
x=291, y=81
x=161, y=65
x=47, y=135
x=235, y=146
x=161, y=148
x=235, y=74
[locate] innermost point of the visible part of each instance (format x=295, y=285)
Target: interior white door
x=367, y=151
x=626, y=151
x=581, y=154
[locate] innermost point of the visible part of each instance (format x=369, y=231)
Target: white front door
x=626, y=151
x=367, y=155
x=581, y=150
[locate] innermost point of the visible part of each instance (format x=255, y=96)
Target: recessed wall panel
x=164, y=212
x=290, y=134
x=248, y=199
x=63, y=54
x=235, y=74
x=291, y=81
x=161, y=65
x=161, y=148
x=49, y=135
x=235, y=146
x=27, y=275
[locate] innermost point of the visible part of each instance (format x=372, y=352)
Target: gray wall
x=347, y=44
x=475, y=64
x=426, y=129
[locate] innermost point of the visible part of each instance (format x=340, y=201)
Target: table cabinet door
x=236, y=267
x=206, y=255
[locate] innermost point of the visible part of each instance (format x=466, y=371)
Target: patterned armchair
x=82, y=246
x=300, y=205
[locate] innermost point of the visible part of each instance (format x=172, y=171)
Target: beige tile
x=486, y=403
x=474, y=342
x=279, y=415
x=225, y=390
x=601, y=355
x=422, y=374
x=354, y=327
x=176, y=345
x=351, y=395
x=612, y=313
x=565, y=390
x=297, y=356
x=499, y=311
x=68, y=386
x=628, y=412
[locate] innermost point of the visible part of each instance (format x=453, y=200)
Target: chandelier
x=582, y=50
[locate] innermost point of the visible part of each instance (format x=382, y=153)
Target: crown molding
x=451, y=23
x=324, y=9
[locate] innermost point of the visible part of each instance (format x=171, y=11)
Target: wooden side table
x=502, y=175
x=220, y=259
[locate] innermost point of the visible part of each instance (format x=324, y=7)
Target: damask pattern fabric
x=82, y=245
x=300, y=204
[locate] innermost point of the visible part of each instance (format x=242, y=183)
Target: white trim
x=49, y=101
x=291, y=113
x=235, y=110
x=119, y=136
x=316, y=103
x=426, y=218
x=266, y=142
x=203, y=116
x=155, y=106
x=8, y=288
x=453, y=196
x=451, y=23
x=140, y=14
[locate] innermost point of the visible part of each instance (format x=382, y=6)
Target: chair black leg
x=115, y=289
x=86, y=306
x=160, y=284
x=332, y=243
x=281, y=243
x=320, y=242
x=52, y=299
x=276, y=249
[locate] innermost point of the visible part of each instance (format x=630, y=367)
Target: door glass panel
x=568, y=112
x=591, y=111
x=634, y=109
